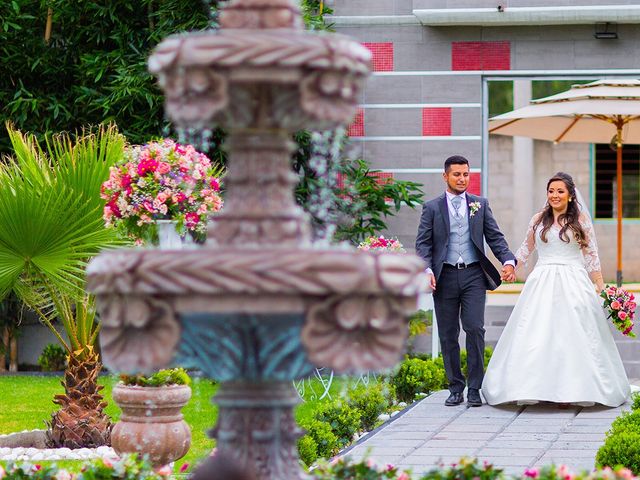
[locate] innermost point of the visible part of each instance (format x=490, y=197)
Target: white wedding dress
x=557, y=346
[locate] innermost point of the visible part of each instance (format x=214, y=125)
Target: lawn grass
x=26, y=402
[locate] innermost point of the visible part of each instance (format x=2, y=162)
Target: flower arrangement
x=381, y=244
x=161, y=180
x=620, y=307
x=473, y=208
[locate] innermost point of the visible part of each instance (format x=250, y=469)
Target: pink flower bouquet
x=161, y=180
x=381, y=244
x=620, y=306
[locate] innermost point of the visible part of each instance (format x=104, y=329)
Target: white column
x=523, y=171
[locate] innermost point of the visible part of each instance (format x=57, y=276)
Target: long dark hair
x=570, y=220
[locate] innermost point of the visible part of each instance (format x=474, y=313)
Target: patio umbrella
x=604, y=111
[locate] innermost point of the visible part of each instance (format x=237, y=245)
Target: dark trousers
x=460, y=298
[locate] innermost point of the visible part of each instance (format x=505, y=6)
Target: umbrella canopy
x=603, y=111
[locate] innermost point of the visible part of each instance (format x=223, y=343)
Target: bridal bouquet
x=381, y=244
x=620, y=306
x=161, y=181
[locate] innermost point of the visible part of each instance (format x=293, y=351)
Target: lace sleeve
x=590, y=252
x=529, y=244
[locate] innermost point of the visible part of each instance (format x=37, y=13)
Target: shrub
x=323, y=436
x=307, y=450
x=635, y=399
x=370, y=401
x=626, y=421
x=53, y=358
x=343, y=419
x=621, y=448
x=416, y=376
x=174, y=376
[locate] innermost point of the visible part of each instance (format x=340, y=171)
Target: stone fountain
x=259, y=305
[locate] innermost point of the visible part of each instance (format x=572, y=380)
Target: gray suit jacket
x=433, y=236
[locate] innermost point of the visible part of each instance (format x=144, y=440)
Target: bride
x=557, y=346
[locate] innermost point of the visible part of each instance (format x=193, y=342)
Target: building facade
x=428, y=99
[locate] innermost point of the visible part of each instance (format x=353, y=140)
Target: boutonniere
x=473, y=208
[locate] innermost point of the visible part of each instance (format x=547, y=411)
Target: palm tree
x=50, y=227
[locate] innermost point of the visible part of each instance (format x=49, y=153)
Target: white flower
x=473, y=208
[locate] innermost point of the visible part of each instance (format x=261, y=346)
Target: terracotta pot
x=151, y=422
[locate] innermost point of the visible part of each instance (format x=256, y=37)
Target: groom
x=451, y=236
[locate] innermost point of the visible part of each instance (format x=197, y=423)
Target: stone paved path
x=512, y=438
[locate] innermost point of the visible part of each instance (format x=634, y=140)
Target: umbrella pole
x=619, y=199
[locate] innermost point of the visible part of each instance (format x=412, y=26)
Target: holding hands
x=508, y=273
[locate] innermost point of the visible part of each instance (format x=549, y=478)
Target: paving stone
x=524, y=429
x=510, y=452
x=575, y=452
x=542, y=421
x=564, y=445
x=454, y=442
x=463, y=427
x=447, y=451
x=581, y=437
x=528, y=443
x=521, y=462
x=444, y=435
x=545, y=437
x=398, y=442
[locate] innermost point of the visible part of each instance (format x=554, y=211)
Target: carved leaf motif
x=139, y=334
x=358, y=334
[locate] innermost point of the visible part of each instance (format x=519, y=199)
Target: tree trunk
x=13, y=354
x=4, y=338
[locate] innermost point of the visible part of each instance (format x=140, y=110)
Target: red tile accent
x=356, y=128
x=475, y=183
x=382, y=52
x=496, y=56
x=481, y=55
x=436, y=121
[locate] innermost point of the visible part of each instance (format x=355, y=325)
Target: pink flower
x=622, y=315
x=404, y=476
x=191, y=219
x=2, y=472
x=164, y=471
x=615, y=305
x=184, y=467
x=532, y=472
x=389, y=467
x=63, y=475
x=36, y=467
x=146, y=166
x=161, y=197
x=625, y=473
x=164, y=168
x=214, y=183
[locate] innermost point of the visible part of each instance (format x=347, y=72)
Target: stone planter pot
x=151, y=422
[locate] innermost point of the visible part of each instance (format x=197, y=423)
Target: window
x=605, y=181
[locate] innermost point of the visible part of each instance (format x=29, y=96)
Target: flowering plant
x=381, y=244
x=344, y=468
x=473, y=208
x=620, y=307
x=129, y=467
x=161, y=180
x=562, y=472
